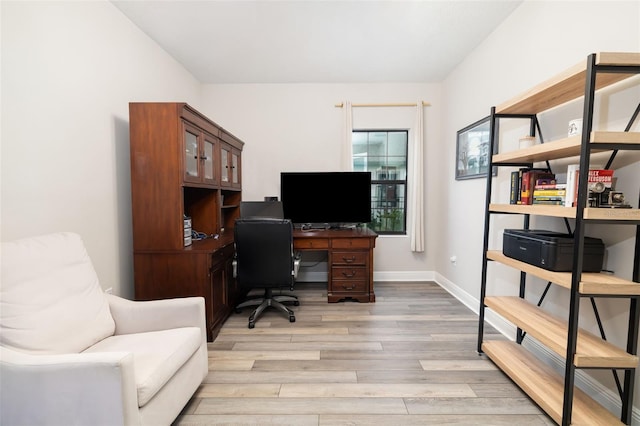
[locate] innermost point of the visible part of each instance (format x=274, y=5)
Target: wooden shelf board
x=568, y=212
x=568, y=85
x=566, y=147
x=592, y=283
x=544, y=385
x=591, y=351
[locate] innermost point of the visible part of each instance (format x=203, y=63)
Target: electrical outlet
x=453, y=260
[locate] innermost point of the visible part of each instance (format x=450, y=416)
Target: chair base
x=268, y=300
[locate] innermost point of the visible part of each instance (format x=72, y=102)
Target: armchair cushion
x=51, y=300
x=157, y=355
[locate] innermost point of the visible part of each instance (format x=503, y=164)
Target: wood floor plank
x=392, y=355
x=237, y=390
x=375, y=390
x=266, y=352
x=250, y=420
x=301, y=406
x=469, y=406
x=409, y=376
x=441, y=419
x=305, y=347
x=315, y=376
x=466, y=365
x=230, y=364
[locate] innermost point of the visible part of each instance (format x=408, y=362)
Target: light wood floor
x=408, y=359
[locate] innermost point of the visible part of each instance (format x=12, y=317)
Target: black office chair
x=265, y=259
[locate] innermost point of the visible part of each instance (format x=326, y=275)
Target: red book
x=529, y=179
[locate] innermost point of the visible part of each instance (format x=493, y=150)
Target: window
x=384, y=154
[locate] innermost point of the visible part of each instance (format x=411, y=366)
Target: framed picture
x=473, y=147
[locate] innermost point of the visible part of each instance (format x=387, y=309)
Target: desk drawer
x=311, y=243
x=352, y=286
x=349, y=257
x=350, y=243
x=349, y=273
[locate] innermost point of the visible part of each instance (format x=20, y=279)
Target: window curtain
x=347, y=161
x=417, y=182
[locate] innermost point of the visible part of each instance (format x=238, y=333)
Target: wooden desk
x=350, y=264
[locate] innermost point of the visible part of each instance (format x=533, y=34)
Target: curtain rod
x=397, y=104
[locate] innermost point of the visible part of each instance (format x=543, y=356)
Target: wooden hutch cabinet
x=184, y=167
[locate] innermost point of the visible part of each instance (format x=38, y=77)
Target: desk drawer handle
x=349, y=275
x=349, y=260
x=347, y=288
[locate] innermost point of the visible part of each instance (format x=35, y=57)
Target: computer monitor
x=333, y=198
x=261, y=209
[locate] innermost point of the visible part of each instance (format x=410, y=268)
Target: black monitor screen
x=326, y=197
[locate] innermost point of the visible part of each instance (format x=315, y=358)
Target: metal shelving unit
x=557, y=394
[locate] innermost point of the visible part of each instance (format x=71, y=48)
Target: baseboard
x=603, y=395
x=312, y=277
x=404, y=276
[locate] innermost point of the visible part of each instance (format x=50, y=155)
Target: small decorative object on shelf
x=575, y=127
x=526, y=142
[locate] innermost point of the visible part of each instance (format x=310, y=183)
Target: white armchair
x=71, y=354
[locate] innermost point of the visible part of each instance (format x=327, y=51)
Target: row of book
x=539, y=186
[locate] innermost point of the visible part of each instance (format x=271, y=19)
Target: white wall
x=534, y=44
x=296, y=127
x=69, y=70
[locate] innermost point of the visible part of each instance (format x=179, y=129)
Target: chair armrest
x=155, y=315
x=92, y=388
x=296, y=263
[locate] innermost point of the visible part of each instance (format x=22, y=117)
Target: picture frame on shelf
x=473, y=147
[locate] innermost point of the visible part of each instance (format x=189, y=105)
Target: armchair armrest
x=92, y=388
x=139, y=317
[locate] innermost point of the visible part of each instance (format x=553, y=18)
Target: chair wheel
x=292, y=319
x=251, y=325
x=296, y=303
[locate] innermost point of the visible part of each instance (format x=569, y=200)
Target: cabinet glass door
x=235, y=169
x=191, y=157
x=224, y=165
x=209, y=160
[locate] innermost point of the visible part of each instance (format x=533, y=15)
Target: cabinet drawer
x=352, y=286
x=349, y=273
x=311, y=243
x=349, y=257
x=350, y=243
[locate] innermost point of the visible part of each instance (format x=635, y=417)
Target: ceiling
x=310, y=41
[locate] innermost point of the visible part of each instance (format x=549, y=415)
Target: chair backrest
x=261, y=209
x=264, y=252
x=50, y=299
